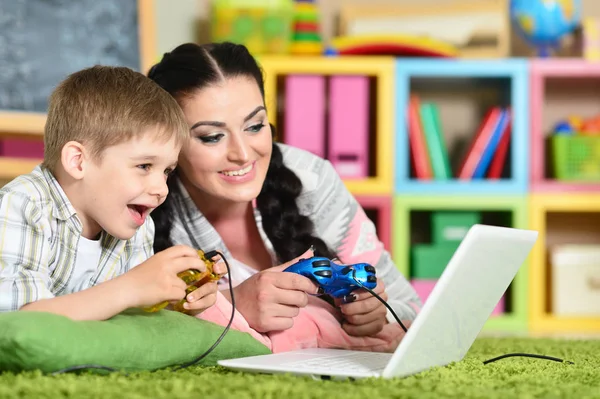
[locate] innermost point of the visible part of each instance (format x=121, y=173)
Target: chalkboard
x=43, y=41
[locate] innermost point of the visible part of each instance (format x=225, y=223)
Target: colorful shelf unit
x=355, y=131
x=560, y=219
x=570, y=78
x=510, y=211
x=458, y=74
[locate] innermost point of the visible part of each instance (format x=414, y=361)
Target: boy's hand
x=156, y=279
x=204, y=296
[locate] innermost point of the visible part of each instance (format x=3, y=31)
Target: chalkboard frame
x=22, y=124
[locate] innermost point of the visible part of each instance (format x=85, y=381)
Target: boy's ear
x=72, y=158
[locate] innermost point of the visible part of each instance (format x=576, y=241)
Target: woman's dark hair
x=191, y=67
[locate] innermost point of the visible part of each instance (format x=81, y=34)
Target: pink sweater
x=316, y=326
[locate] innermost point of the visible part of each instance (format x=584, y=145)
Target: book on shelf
x=485, y=157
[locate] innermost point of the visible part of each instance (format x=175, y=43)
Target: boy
x=74, y=230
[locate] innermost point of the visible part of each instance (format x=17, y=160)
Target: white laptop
x=464, y=297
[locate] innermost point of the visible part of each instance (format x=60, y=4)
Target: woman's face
x=228, y=154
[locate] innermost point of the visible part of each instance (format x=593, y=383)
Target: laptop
x=473, y=282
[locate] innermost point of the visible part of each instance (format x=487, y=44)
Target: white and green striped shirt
x=39, y=236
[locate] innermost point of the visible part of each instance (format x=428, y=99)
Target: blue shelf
x=516, y=71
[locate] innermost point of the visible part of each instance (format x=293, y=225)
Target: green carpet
x=507, y=378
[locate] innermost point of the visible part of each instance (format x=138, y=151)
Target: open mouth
x=138, y=210
x=240, y=172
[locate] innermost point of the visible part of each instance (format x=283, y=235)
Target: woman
x=263, y=203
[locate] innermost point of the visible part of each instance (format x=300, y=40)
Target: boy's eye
x=215, y=138
x=145, y=166
x=256, y=128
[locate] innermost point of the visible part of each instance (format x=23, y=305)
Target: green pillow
x=132, y=341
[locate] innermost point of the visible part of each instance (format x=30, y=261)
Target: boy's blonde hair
x=104, y=106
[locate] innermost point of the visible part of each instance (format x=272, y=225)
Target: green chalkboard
x=42, y=41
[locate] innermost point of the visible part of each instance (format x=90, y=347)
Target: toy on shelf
x=543, y=23
x=392, y=44
x=576, y=149
x=263, y=26
x=306, y=38
x=465, y=28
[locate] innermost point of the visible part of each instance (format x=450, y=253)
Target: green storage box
x=429, y=261
x=452, y=226
x=576, y=157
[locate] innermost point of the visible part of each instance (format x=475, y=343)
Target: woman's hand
x=363, y=313
x=270, y=299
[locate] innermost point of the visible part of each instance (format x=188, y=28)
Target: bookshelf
x=381, y=72
x=507, y=77
x=508, y=211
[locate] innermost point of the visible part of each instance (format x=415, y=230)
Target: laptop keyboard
x=353, y=362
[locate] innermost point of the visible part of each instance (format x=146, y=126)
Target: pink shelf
x=31, y=149
x=383, y=205
x=540, y=71
x=552, y=186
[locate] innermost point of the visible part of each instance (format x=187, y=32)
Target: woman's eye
x=168, y=171
x=145, y=166
x=256, y=128
x=211, y=139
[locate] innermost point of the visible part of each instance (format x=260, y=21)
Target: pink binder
x=304, y=113
x=349, y=125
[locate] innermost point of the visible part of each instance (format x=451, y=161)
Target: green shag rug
x=515, y=377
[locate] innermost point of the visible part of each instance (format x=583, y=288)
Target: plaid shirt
x=39, y=234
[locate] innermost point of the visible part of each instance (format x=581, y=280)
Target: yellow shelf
x=380, y=67
x=555, y=324
x=369, y=186
x=22, y=124
x=13, y=167
x=539, y=206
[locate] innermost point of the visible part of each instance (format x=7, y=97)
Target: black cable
x=380, y=300
x=555, y=359
x=208, y=255
x=83, y=367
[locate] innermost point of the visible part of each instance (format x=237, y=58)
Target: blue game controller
x=335, y=279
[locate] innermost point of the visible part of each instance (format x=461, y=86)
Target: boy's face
x=125, y=185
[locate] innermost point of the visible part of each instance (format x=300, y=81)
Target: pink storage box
x=424, y=288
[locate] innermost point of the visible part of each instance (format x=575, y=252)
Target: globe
x=543, y=23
